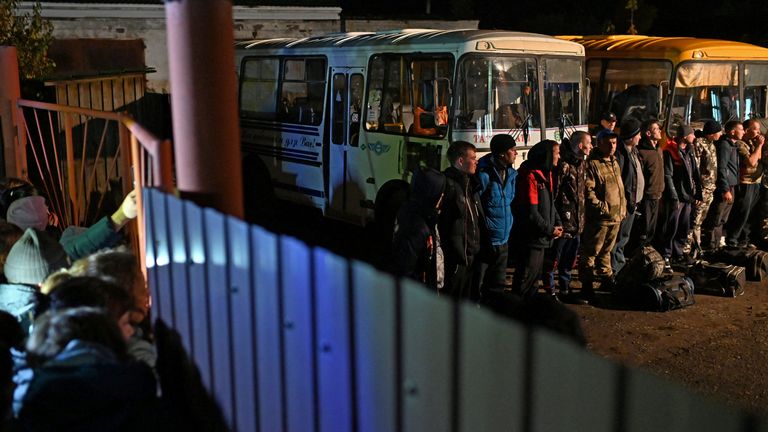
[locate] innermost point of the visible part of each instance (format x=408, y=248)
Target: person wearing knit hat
x=633, y=178
x=705, y=155
x=496, y=175
x=28, y=212
x=33, y=257
x=682, y=192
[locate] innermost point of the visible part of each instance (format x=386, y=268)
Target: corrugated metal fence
x=294, y=338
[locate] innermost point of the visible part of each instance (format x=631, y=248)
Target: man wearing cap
x=682, y=190
x=605, y=207
x=747, y=192
x=727, y=180
x=705, y=155
x=634, y=185
x=607, y=122
x=497, y=190
x=653, y=174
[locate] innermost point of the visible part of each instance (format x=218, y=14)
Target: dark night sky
x=742, y=20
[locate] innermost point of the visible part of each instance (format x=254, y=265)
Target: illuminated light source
x=484, y=45
x=698, y=54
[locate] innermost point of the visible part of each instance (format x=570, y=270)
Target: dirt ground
x=718, y=346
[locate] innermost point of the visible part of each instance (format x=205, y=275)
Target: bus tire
x=388, y=202
x=258, y=192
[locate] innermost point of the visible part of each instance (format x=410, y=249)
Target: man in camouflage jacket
x=705, y=155
x=606, y=207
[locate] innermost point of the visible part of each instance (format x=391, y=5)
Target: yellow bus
x=675, y=79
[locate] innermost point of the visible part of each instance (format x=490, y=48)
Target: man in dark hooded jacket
x=541, y=223
x=416, y=244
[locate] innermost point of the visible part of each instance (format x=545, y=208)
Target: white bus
x=339, y=122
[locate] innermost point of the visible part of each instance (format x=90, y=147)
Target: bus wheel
x=258, y=192
x=388, y=202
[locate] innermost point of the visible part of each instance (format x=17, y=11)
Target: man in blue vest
x=497, y=190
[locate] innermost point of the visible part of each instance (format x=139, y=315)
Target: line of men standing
x=680, y=196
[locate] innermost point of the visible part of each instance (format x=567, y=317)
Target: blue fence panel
x=162, y=303
x=333, y=339
x=298, y=331
x=198, y=292
x=269, y=366
x=492, y=372
x=375, y=354
x=657, y=404
x=218, y=292
x=241, y=301
x=428, y=328
x=572, y=388
x=179, y=258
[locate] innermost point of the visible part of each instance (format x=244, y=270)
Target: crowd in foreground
x=77, y=352
x=579, y=204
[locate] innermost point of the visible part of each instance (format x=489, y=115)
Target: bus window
x=629, y=88
x=258, y=88
x=705, y=91
x=430, y=81
x=355, y=105
x=404, y=86
x=755, y=89
x=339, y=104
x=497, y=93
x=303, y=87
x=562, y=93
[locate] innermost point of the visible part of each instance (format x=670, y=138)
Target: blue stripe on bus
x=282, y=149
x=306, y=130
x=288, y=158
x=299, y=189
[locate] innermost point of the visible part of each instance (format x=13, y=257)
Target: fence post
x=206, y=133
x=71, y=180
x=13, y=157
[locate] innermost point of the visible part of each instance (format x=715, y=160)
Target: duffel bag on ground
x=718, y=279
x=754, y=261
x=645, y=265
x=673, y=292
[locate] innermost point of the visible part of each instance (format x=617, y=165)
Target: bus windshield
x=562, y=93
x=755, y=89
x=631, y=88
x=705, y=91
x=496, y=93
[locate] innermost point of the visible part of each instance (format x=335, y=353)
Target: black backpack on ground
x=718, y=279
x=754, y=261
x=660, y=295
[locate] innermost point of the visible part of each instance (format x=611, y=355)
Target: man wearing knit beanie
x=33, y=257
x=28, y=212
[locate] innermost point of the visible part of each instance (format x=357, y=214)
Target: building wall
x=147, y=22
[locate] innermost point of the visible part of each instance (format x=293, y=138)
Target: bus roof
x=677, y=49
x=495, y=40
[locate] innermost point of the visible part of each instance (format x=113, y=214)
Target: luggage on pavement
x=718, y=279
x=660, y=295
x=754, y=261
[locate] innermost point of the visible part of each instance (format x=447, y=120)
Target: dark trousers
x=738, y=227
x=618, y=260
x=458, y=280
x=527, y=272
x=561, y=257
x=493, y=269
x=677, y=223
x=712, y=229
x=648, y=218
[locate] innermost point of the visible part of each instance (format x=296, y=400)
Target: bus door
x=344, y=192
